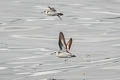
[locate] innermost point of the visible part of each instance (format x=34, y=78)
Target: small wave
x=15, y=20
x=52, y=79
x=45, y=73
x=18, y=28
x=113, y=18
x=47, y=19
x=18, y=66
x=23, y=73
x=76, y=4
x=31, y=19
x=94, y=8
x=1, y=23
x=61, y=24
x=22, y=62
x=103, y=12
x=86, y=24
x=33, y=49
x=96, y=22
x=4, y=49
x=40, y=7
x=34, y=37
x=95, y=39
x=112, y=67
x=86, y=18
x=3, y=68
x=116, y=45
x=31, y=57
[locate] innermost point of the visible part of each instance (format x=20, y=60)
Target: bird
x=51, y=11
x=64, y=51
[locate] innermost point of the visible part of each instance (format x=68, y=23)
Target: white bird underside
x=64, y=55
x=51, y=13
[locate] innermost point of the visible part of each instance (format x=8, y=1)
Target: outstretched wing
x=62, y=43
x=52, y=9
x=69, y=44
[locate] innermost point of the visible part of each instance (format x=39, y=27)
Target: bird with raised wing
x=64, y=51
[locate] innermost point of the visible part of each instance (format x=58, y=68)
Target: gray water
x=28, y=37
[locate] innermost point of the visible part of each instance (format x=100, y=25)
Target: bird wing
x=62, y=43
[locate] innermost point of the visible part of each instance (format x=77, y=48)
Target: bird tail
x=73, y=55
x=59, y=14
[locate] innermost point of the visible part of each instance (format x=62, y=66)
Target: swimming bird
x=64, y=51
x=52, y=12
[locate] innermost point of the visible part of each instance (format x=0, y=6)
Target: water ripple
x=103, y=12
x=34, y=37
x=18, y=28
